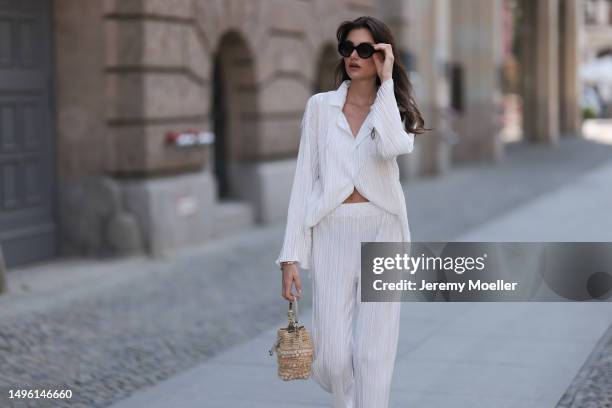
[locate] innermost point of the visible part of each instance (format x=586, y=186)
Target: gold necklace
x=363, y=106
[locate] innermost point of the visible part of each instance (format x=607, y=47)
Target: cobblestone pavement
x=592, y=386
x=105, y=346
x=141, y=322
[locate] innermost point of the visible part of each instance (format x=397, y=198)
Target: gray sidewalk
x=108, y=329
x=458, y=354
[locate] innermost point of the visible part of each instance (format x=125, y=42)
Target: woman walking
x=346, y=191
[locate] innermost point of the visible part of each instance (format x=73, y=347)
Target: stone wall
x=129, y=71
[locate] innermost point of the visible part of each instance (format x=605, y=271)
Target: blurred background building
x=131, y=126
x=596, y=73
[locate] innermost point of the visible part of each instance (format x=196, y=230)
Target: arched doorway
x=233, y=114
x=219, y=119
x=326, y=65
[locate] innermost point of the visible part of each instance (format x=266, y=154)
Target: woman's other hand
x=291, y=275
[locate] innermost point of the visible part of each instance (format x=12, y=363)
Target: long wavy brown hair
x=409, y=112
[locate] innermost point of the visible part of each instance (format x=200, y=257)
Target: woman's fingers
x=287, y=286
x=298, y=285
x=386, y=48
x=291, y=276
x=384, y=66
x=383, y=46
x=378, y=59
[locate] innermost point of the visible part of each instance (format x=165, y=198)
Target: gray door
x=27, y=165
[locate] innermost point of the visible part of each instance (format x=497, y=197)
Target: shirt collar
x=339, y=95
x=338, y=99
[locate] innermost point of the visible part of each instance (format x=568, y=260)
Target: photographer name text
x=472, y=285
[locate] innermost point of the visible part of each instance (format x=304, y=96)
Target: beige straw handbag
x=293, y=348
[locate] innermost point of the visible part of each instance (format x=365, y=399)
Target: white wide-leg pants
x=352, y=361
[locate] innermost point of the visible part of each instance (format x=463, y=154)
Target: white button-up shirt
x=332, y=162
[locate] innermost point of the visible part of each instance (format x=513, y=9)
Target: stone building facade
x=133, y=126
x=598, y=29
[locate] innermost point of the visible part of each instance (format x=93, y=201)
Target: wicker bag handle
x=293, y=322
x=293, y=316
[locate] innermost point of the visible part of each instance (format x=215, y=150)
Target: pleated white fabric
x=331, y=163
x=353, y=360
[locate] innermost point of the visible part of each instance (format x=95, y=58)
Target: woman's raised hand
x=384, y=61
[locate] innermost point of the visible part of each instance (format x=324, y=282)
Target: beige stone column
x=421, y=29
x=476, y=50
x=540, y=70
x=433, y=54
x=569, y=84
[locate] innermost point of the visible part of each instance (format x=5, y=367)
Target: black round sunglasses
x=364, y=50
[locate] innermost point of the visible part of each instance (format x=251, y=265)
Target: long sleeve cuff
x=392, y=140
x=297, y=251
